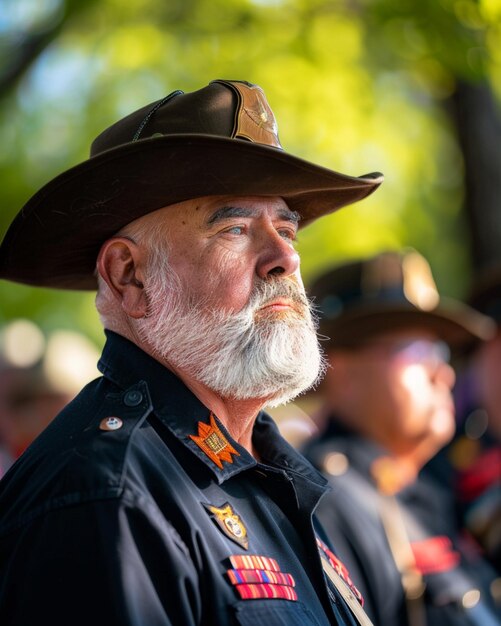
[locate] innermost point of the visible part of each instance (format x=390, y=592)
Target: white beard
x=274, y=356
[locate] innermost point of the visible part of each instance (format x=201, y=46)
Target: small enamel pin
x=111, y=423
x=230, y=523
x=213, y=443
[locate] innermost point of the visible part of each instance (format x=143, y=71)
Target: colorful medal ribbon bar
x=256, y=577
x=251, y=561
x=238, y=577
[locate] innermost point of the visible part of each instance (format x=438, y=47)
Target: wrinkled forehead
x=209, y=210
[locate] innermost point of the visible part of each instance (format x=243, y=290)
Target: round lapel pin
x=111, y=423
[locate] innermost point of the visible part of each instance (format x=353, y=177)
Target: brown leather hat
x=219, y=140
x=392, y=290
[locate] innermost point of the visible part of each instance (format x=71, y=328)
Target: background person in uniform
x=387, y=408
x=475, y=453
x=39, y=375
x=163, y=494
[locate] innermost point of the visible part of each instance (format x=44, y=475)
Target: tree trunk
x=478, y=125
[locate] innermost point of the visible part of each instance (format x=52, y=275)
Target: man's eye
x=289, y=235
x=235, y=230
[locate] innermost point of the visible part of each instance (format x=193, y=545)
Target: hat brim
x=458, y=325
x=55, y=239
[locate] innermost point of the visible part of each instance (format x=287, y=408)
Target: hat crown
x=389, y=278
x=231, y=109
x=392, y=291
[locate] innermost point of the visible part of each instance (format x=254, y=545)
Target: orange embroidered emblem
x=213, y=443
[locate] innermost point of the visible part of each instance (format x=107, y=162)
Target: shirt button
x=133, y=398
x=471, y=598
x=336, y=463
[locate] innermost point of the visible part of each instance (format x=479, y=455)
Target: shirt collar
x=125, y=364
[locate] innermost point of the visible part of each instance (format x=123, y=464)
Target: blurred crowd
x=39, y=375
x=406, y=426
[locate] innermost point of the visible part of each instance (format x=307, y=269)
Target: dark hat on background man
x=391, y=291
x=485, y=292
x=219, y=140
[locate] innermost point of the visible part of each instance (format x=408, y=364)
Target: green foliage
x=356, y=86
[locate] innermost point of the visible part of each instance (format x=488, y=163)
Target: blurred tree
x=475, y=113
x=452, y=48
x=28, y=29
x=357, y=85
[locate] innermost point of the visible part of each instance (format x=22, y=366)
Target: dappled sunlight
x=355, y=89
x=134, y=46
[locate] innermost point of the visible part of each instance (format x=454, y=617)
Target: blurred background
x=39, y=374
x=410, y=88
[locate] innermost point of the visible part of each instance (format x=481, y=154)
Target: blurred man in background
x=475, y=453
x=387, y=409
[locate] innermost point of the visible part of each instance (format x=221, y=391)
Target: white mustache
x=267, y=291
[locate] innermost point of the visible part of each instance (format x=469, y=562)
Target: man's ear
x=120, y=263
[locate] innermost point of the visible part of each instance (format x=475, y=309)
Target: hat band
x=153, y=110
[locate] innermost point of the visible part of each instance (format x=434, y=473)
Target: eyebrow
x=228, y=212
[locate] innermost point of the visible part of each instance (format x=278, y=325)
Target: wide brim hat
x=219, y=140
x=391, y=291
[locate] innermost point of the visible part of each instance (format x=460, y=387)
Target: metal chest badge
x=230, y=523
x=213, y=443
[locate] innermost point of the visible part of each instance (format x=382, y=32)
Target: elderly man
x=387, y=409
x=163, y=494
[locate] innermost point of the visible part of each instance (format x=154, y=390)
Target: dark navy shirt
x=130, y=509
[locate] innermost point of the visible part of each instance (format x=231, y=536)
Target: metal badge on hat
x=255, y=120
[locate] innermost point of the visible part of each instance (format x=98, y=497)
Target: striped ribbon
x=256, y=592
x=256, y=577
x=238, y=577
x=252, y=561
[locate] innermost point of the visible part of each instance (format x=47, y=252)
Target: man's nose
x=277, y=256
x=445, y=374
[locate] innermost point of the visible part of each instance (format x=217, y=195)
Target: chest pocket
x=275, y=613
